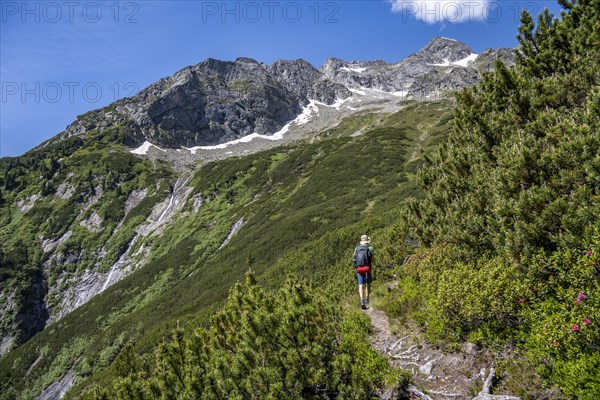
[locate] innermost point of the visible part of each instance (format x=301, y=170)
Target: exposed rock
x=25, y=205
x=65, y=191
x=426, y=369
x=33, y=365
x=134, y=199
x=198, y=201
x=49, y=245
x=8, y=335
x=298, y=76
x=6, y=344
x=328, y=92
x=236, y=227
x=210, y=103
x=486, y=60
x=482, y=396
x=82, y=288
x=441, y=49
x=58, y=389
x=179, y=194
x=307, y=82
x=95, y=197
x=412, y=390
x=93, y=223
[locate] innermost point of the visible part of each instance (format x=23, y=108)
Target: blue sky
x=60, y=59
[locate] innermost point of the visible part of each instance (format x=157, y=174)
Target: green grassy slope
x=294, y=199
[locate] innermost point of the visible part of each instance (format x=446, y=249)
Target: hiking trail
x=437, y=376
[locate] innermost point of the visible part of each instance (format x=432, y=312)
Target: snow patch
x=358, y=70
x=400, y=93
x=460, y=63
x=365, y=91
x=467, y=60
x=359, y=91
x=307, y=113
x=338, y=103
x=143, y=149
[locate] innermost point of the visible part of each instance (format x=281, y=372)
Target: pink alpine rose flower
x=575, y=328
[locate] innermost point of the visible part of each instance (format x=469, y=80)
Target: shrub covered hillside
x=316, y=187
x=293, y=344
x=511, y=208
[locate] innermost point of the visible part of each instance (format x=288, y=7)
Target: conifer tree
x=520, y=164
x=293, y=344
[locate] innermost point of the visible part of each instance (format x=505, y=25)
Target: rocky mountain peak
x=295, y=70
x=246, y=60
x=332, y=63
x=442, y=49
x=307, y=82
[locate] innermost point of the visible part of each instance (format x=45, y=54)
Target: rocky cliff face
x=215, y=102
x=307, y=82
x=219, y=101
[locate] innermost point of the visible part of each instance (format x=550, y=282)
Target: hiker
x=363, y=262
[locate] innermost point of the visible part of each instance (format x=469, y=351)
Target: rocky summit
x=442, y=65
x=219, y=101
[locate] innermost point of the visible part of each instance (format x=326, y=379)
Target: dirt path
x=456, y=376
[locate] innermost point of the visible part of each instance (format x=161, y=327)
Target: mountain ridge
x=214, y=101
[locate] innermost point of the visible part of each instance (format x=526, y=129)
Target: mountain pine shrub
x=296, y=343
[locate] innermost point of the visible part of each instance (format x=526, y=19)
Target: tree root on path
x=486, y=391
x=416, y=392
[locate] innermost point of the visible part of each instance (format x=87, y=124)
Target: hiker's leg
x=361, y=290
x=367, y=290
